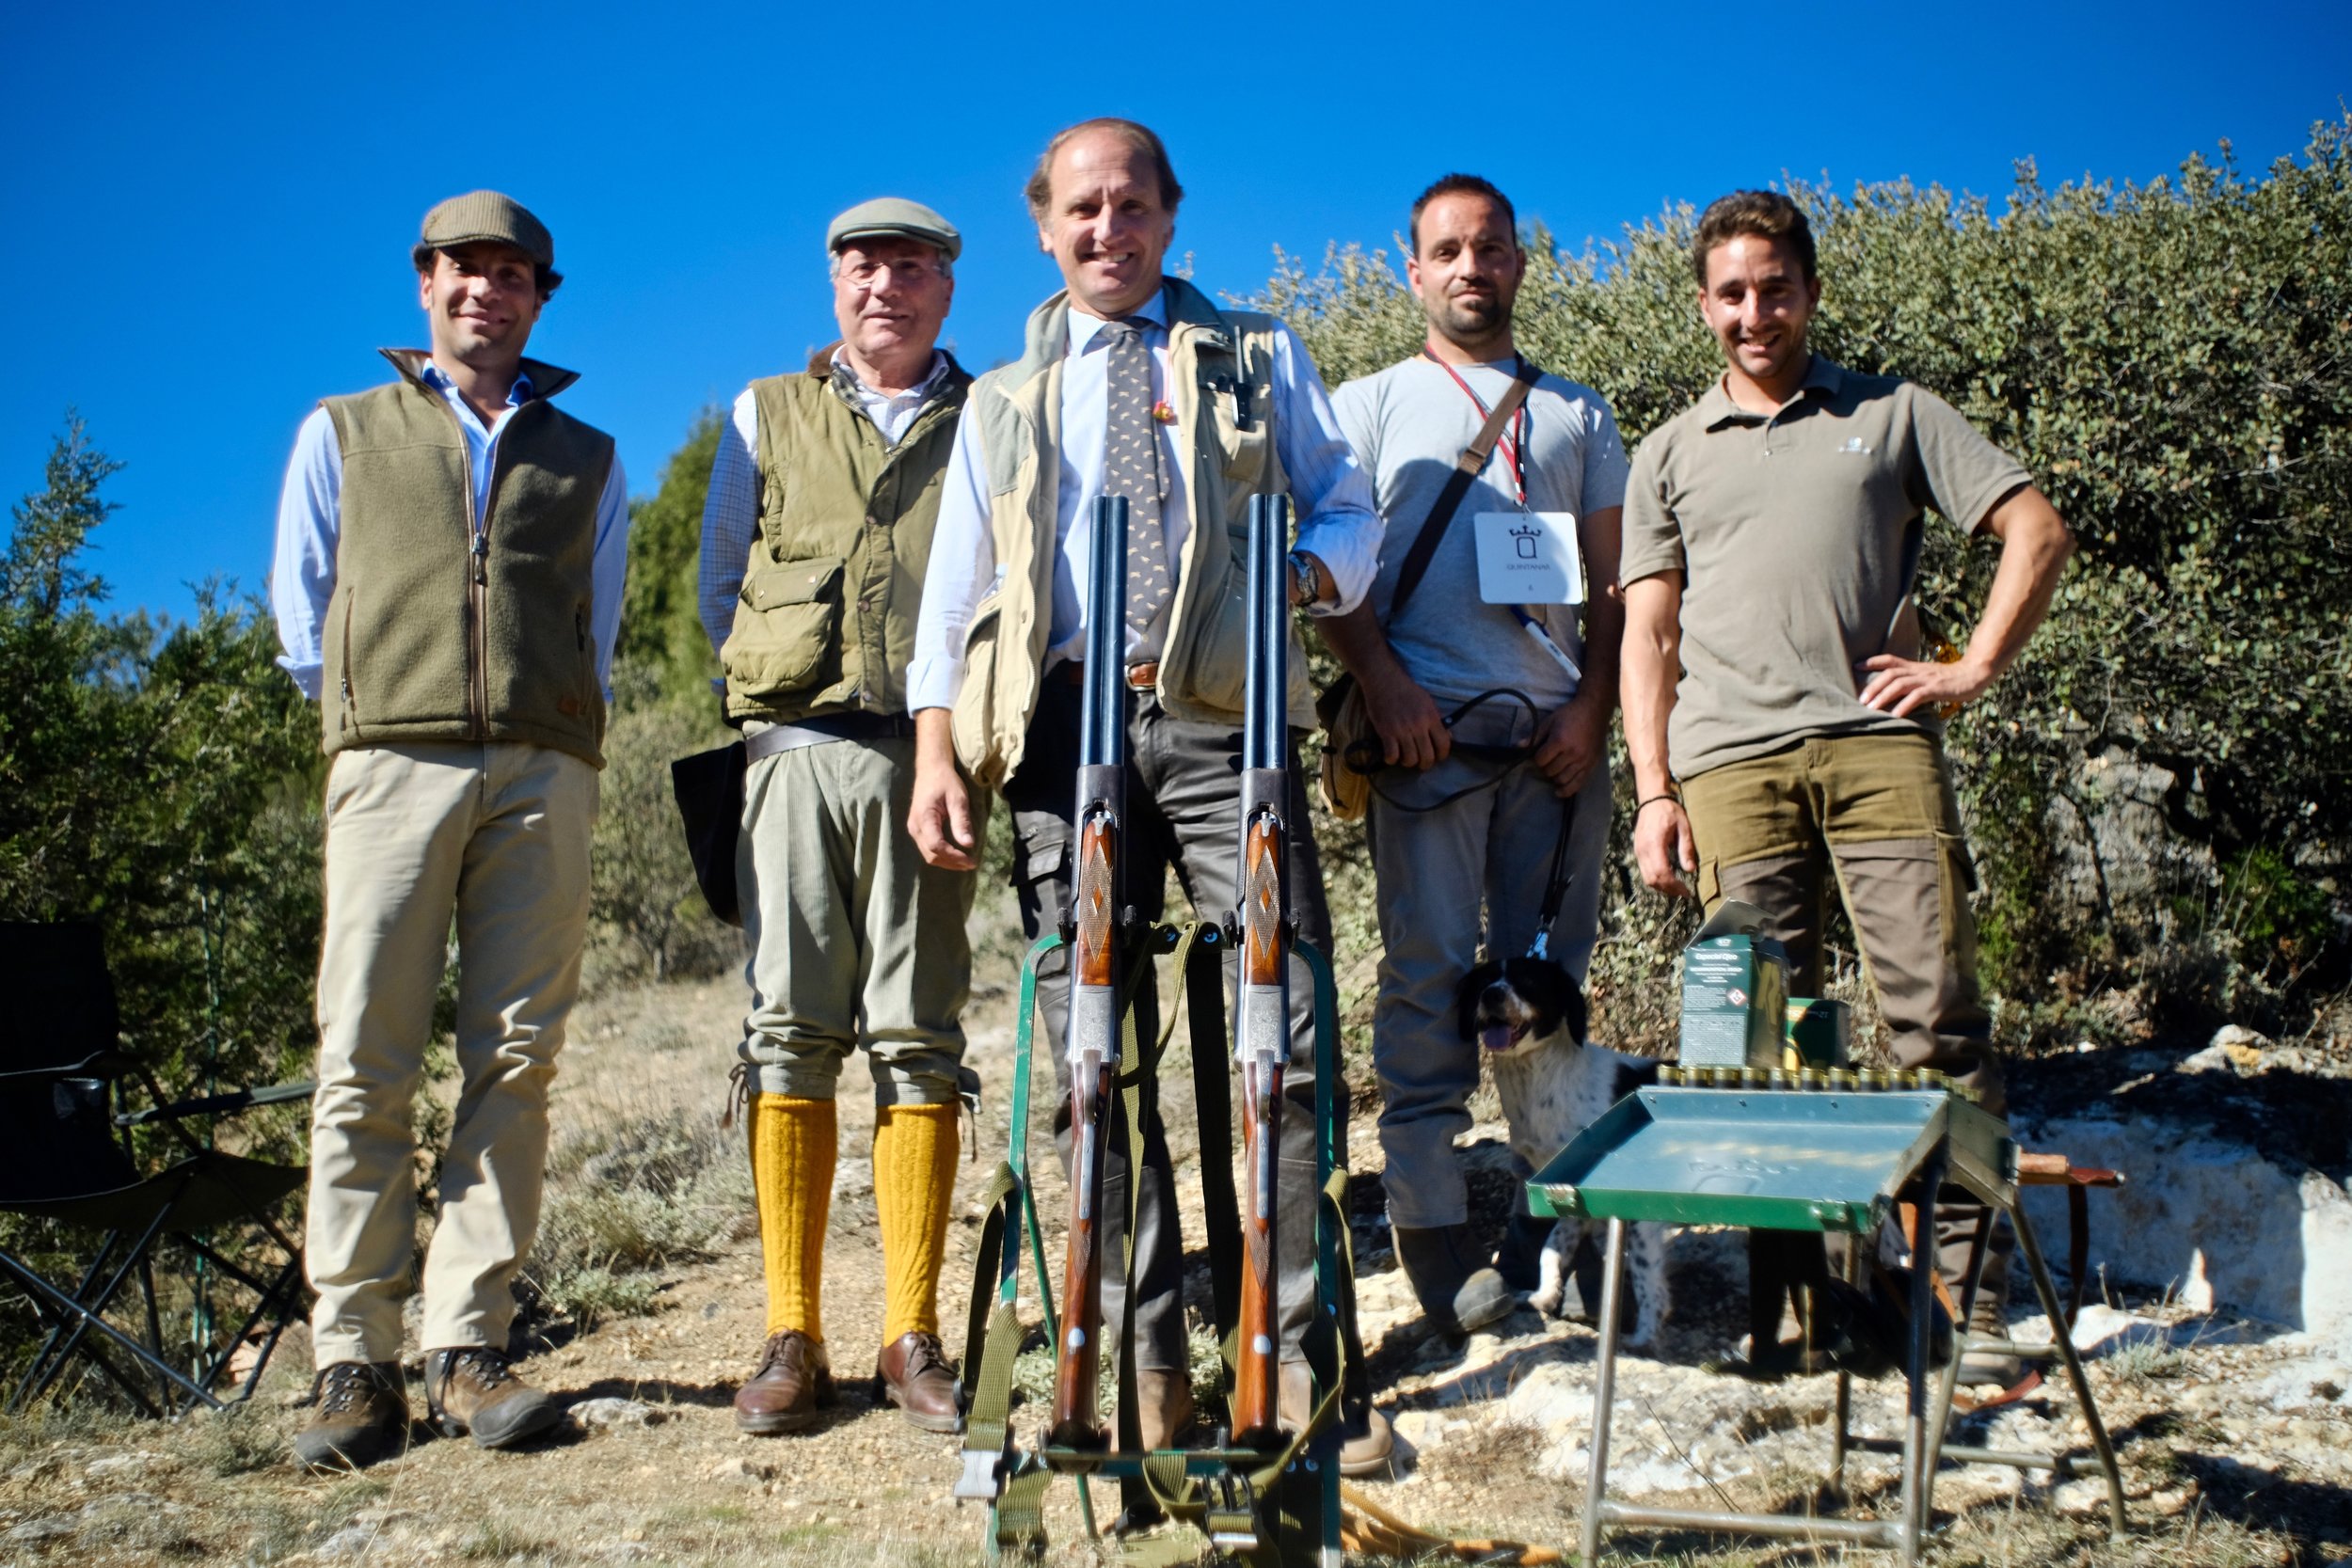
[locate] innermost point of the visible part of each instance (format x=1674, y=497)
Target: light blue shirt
x=310, y=524
x=1337, y=522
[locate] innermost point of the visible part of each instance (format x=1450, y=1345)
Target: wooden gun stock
x=1093, y=1025
x=1264, y=1049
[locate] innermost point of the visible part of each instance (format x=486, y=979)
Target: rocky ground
x=2234, y=1437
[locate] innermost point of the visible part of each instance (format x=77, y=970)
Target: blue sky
x=208, y=209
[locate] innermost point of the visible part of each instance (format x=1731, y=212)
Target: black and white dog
x=1528, y=1015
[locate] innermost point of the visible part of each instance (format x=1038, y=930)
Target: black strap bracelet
x=1642, y=805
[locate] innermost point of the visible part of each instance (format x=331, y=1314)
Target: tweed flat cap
x=486, y=215
x=894, y=214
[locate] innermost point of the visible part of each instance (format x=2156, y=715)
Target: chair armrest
x=215, y=1104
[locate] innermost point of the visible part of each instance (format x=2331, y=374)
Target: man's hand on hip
x=1572, y=740
x=939, y=819
x=1664, y=847
x=1898, y=686
x=1411, y=729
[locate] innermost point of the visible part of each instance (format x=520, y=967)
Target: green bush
x=2173, y=362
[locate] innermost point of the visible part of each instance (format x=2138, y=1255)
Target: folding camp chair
x=66, y=1155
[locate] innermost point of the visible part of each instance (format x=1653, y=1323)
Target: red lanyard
x=1513, y=446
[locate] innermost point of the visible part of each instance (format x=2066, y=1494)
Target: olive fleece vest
x=434, y=632
x=825, y=621
x=1219, y=361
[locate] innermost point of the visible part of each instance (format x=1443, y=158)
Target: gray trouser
x=1182, y=808
x=1437, y=866
x=854, y=940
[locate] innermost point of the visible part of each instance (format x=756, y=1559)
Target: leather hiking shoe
x=474, y=1389
x=913, y=1373
x=1457, y=1292
x=361, y=1416
x=1987, y=1319
x=1368, y=1444
x=791, y=1384
x=1164, y=1408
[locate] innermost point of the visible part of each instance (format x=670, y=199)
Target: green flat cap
x=894, y=214
x=486, y=215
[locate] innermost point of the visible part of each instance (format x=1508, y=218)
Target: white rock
x=741, y=1471
x=119, y=1464
x=611, y=1412
x=2201, y=1212
x=356, y=1541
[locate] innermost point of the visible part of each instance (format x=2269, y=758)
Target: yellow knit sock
x=915, y=1181
x=794, y=1143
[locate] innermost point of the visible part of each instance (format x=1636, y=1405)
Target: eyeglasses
x=907, y=269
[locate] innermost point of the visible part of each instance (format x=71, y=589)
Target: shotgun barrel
x=1092, y=1043
x=1262, y=1016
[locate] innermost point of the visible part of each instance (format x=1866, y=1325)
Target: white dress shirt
x=731, y=508
x=310, y=527
x=1337, y=522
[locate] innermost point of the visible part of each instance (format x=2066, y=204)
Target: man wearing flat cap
x=816, y=536
x=447, y=583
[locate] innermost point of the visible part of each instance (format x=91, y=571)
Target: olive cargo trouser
x=498, y=832
x=1876, y=814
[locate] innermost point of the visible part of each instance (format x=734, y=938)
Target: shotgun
x=1092, y=1041
x=1261, y=1028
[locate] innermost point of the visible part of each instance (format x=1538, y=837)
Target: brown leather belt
x=1140, y=677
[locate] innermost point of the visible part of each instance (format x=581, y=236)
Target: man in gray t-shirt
x=1455, y=829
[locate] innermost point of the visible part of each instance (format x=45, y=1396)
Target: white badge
x=1529, y=558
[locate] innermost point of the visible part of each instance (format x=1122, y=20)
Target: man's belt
x=1140, y=677
x=822, y=727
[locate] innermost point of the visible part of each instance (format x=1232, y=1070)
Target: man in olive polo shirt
x=816, y=536
x=450, y=549
x=1780, y=716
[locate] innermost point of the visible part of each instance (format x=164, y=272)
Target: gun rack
x=1266, y=1506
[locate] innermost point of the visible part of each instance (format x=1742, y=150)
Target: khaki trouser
x=855, y=940
x=498, y=832
x=1877, y=814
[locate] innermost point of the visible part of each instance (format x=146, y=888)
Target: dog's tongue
x=1495, y=1036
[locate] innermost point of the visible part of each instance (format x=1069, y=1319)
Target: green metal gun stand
x=1267, y=1507
x=1805, y=1160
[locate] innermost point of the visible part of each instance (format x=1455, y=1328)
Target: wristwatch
x=1304, y=586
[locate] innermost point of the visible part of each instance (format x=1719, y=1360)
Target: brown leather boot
x=1164, y=1407
x=1364, y=1454
x=913, y=1373
x=361, y=1416
x=791, y=1384
x=474, y=1388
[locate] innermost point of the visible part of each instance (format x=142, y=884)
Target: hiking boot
x=1363, y=1452
x=1164, y=1408
x=1457, y=1292
x=913, y=1373
x=791, y=1384
x=472, y=1388
x=361, y=1416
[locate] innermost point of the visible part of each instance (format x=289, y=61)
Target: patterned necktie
x=1131, y=467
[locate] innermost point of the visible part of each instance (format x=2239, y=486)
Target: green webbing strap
x=1021, y=1513
x=992, y=1335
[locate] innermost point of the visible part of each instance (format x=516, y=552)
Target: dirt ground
x=2234, y=1438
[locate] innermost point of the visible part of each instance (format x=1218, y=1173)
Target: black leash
x=1364, y=757
x=1556, y=890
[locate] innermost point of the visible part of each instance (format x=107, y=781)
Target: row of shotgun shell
x=1833, y=1080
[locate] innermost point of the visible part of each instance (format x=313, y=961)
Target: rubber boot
x=1457, y=1292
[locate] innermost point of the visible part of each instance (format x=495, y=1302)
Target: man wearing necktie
x=1135, y=384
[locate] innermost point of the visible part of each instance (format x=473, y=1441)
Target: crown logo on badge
x=1523, y=537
